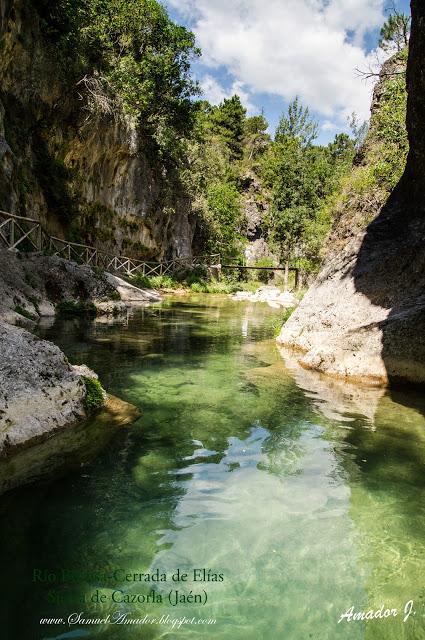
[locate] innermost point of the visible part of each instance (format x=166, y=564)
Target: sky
x=270, y=51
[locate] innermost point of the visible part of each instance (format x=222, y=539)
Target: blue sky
x=269, y=51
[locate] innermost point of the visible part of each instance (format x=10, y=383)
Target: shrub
x=73, y=307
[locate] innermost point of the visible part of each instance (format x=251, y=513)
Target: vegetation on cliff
x=125, y=66
x=380, y=160
x=128, y=56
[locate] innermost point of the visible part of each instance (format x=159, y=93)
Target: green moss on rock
x=95, y=394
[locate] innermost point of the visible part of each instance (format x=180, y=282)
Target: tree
x=297, y=124
x=395, y=32
x=342, y=148
x=227, y=122
x=131, y=55
x=358, y=129
x=225, y=208
x=256, y=137
x=300, y=180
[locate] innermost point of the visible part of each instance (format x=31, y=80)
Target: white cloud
x=309, y=48
x=329, y=126
x=215, y=93
x=212, y=90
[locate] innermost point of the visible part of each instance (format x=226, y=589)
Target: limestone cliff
x=364, y=317
x=88, y=177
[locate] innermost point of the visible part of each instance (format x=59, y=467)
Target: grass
x=276, y=323
x=35, y=303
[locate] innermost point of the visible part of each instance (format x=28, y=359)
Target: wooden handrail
x=13, y=215
x=126, y=264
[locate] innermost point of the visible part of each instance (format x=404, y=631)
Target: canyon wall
x=87, y=177
x=364, y=317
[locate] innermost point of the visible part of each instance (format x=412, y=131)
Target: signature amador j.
x=377, y=614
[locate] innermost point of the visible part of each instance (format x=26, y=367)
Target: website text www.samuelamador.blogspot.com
x=126, y=619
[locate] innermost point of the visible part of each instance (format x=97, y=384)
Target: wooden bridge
x=19, y=233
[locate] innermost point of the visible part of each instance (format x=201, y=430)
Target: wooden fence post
x=286, y=275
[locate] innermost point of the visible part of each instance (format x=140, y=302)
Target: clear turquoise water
x=306, y=495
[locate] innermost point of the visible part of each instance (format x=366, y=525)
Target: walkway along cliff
x=364, y=317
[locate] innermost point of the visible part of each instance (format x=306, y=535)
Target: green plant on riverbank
x=276, y=323
x=23, y=312
x=76, y=307
x=95, y=394
x=196, y=284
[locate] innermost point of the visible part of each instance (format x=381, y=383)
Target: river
x=293, y=497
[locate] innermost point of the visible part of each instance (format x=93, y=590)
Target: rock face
x=39, y=393
x=131, y=294
x=364, y=317
x=89, y=176
x=33, y=286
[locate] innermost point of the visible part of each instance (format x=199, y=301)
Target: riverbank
x=41, y=391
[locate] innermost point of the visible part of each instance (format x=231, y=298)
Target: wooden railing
x=26, y=234
x=19, y=233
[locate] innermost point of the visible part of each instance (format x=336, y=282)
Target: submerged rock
x=68, y=448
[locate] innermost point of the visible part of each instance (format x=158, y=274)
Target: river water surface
x=305, y=496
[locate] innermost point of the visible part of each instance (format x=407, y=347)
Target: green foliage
x=277, y=323
x=197, y=282
x=225, y=208
x=395, y=32
x=95, y=394
x=227, y=122
x=157, y=282
x=297, y=125
x=131, y=56
x=25, y=313
x=359, y=130
x=264, y=276
x=301, y=177
x=256, y=139
x=380, y=162
x=389, y=128
x=74, y=307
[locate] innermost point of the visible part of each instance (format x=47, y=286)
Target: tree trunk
x=299, y=280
